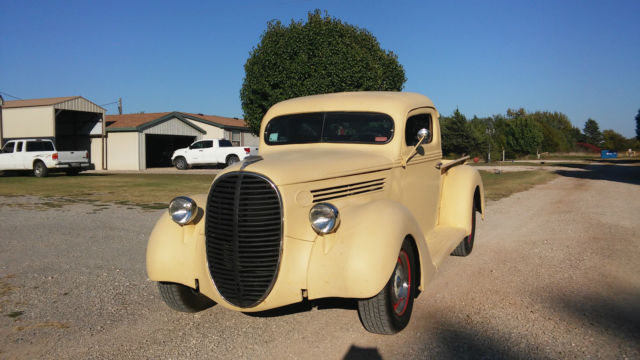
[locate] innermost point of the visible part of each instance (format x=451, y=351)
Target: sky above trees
x=575, y=57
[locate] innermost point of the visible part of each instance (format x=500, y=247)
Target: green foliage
x=592, y=132
x=323, y=55
x=524, y=136
x=638, y=126
x=455, y=134
x=615, y=141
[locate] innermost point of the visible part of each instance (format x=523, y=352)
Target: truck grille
x=243, y=237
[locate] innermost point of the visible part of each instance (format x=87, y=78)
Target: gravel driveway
x=555, y=274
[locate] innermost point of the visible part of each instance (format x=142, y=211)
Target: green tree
x=524, y=136
x=455, y=134
x=592, y=132
x=638, y=125
x=323, y=55
x=615, y=141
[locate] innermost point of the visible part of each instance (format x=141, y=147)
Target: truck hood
x=181, y=151
x=292, y=167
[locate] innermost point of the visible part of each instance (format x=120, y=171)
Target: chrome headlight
x=183, y=210
x=324, y=218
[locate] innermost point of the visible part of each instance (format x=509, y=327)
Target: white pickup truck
x=41, y=156
x=210, y=152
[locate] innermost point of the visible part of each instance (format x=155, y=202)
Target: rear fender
x=459, y=185
x=357, y=260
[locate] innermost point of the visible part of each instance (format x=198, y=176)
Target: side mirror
x=423, y=136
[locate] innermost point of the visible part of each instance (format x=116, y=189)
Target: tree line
x=521, y=133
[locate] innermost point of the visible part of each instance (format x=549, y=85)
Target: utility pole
x=120, y=106
x=490, y=135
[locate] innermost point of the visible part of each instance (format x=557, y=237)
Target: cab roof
x=388, y=102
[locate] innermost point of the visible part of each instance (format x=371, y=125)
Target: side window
x=197, y=145
x=207, y=144
x=414, y=124
x=224, y=143
x=8, y=147
x=19, y=146
x=39, y=146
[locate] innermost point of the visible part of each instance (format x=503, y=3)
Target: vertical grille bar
x=243, y=236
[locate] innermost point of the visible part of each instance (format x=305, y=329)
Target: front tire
x=40, y=169
x=390, y=310
x=181, y=163
x=183, y=298
x=466, y=245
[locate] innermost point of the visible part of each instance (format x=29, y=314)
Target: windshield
x=330, y=127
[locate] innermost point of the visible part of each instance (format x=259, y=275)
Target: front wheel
x=181, y=163
x=40, y=169
x=390, y=310
x=183, y=298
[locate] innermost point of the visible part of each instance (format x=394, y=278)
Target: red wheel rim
x=401, y=284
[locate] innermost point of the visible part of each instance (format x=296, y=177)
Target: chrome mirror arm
x=423, y=134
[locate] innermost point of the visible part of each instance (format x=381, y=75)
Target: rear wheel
x=390, y=310
x=181, y=163
x=232, y=159
x=40, y=169
x=183, y=298
x=466, y=245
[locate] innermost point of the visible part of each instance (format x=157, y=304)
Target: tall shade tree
x=455, y=134
x=638, y=125
x=615, y=141
x=524, y=136
x=592, y=132
x=323, y=55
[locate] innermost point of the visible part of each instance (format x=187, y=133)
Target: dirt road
x=555, y=274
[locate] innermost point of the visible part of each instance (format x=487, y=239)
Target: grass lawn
x=498, y=186
x=154, y=191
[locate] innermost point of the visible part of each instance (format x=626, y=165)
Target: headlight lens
x=324, y=218
x=183, y=210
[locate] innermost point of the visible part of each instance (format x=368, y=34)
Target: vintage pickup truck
x=210, y=152
x=349, y=198
x=41, y=157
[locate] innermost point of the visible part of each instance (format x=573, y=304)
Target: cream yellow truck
x=349, y=197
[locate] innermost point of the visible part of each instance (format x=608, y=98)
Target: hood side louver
x=341, y=191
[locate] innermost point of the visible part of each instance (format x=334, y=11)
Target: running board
x=441, y=242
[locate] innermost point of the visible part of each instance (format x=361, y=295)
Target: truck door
x=421, y=185
x=7, y=157
x=196, y=153
x=20, y=157
x=224, y=149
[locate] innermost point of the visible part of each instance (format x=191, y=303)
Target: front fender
x=357, y=260
x=172, y=249
x=458, y=189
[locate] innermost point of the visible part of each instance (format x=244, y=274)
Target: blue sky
x=581, y=58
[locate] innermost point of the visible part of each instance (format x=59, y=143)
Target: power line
x=9, y=95
x=111, y=103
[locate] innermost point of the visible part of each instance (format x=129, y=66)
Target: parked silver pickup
x=41, y=157
x=210, y=152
